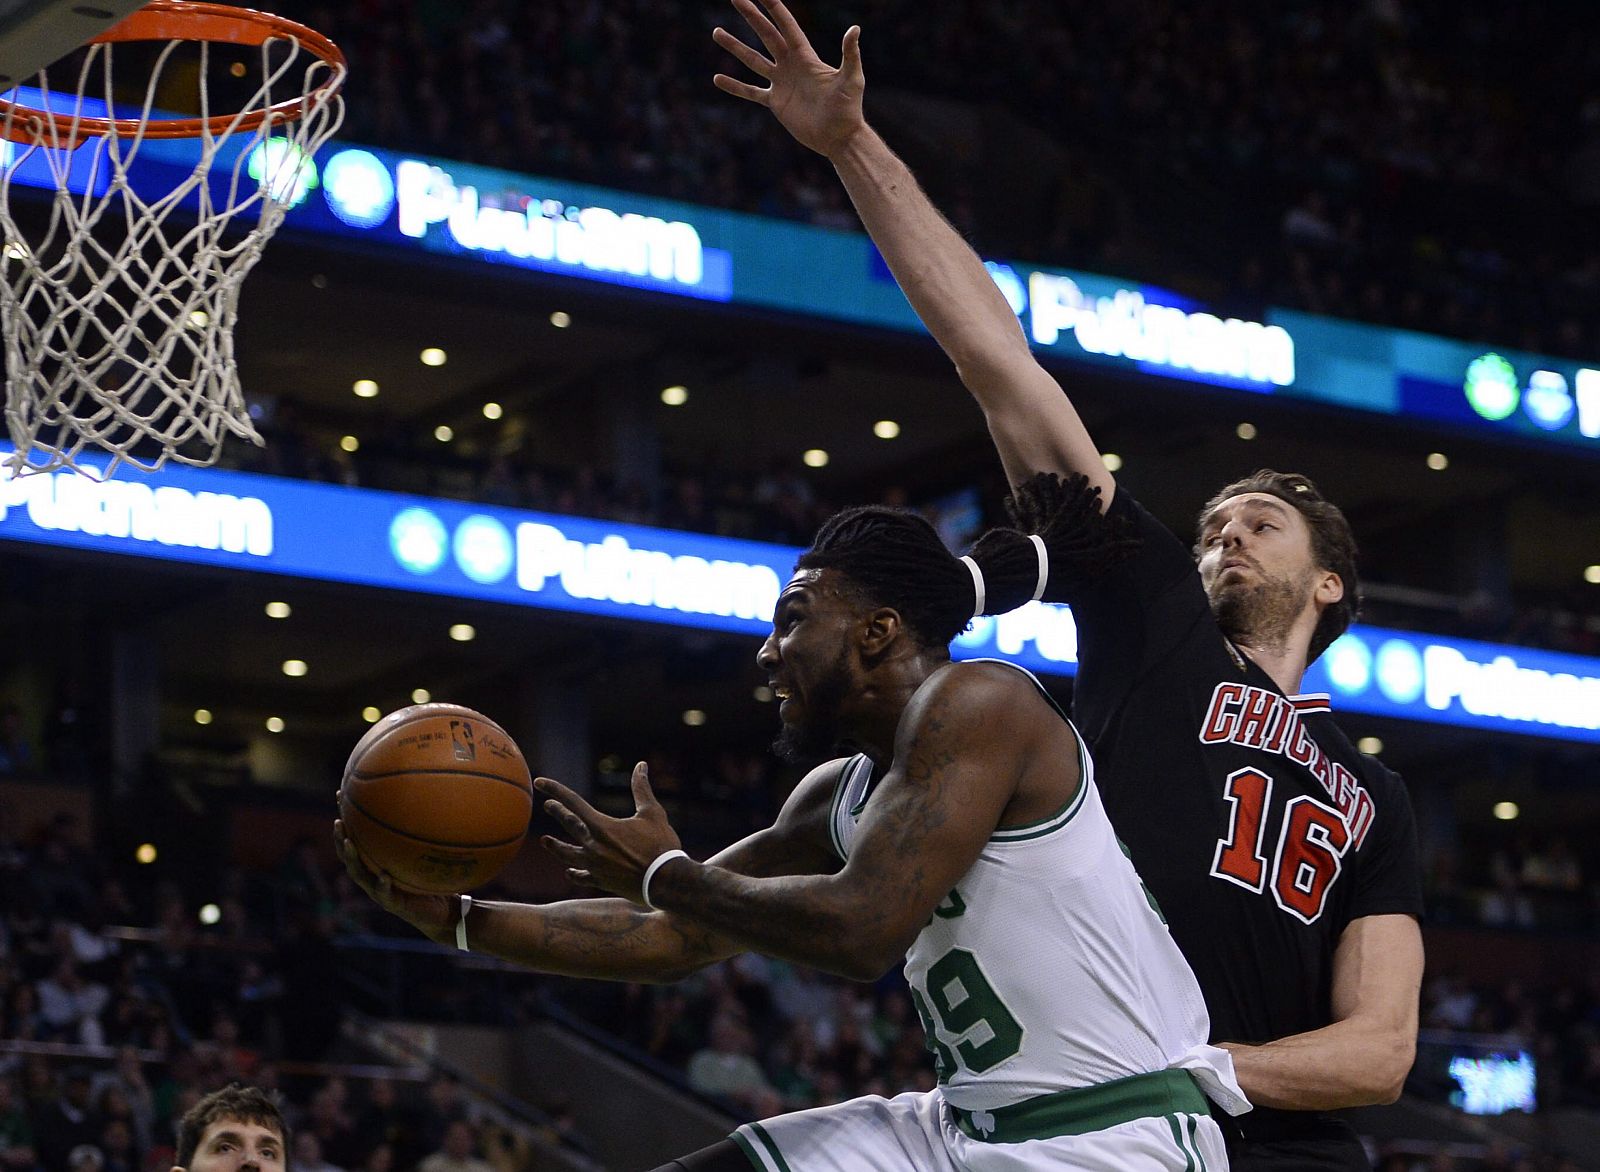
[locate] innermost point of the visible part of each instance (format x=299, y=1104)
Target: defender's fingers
x=748, y=57
x=742, y=89
x=551, y=788
x=788, y=27
x=762, y=27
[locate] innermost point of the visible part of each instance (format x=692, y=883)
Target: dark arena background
x=561, y=357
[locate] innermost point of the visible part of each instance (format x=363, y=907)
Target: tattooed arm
x=960, y=753
x=614, y=939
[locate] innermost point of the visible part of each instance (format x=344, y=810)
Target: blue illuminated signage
x=1493, y=1084
x=666, y=246
x=1460, y=681
x=358, y=188
x=455, y=548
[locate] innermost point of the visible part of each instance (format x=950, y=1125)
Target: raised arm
x=613, y=939
x=1365, y=1055
x=1034, y=425
x=959, y=752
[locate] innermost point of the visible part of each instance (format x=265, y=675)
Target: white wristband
x=1044, y=565
x=650, y=873
x=461, y=923
x=978, y=598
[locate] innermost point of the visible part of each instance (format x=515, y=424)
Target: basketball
x=438, y=796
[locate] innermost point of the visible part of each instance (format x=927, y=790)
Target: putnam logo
x=163, y=515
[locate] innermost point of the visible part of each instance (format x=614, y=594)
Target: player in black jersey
x=1284, y=859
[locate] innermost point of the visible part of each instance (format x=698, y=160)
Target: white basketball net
x=119, y=308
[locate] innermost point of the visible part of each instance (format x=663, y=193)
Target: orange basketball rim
x=184, y=20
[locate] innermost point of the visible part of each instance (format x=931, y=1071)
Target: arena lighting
x=493, y=410
x=444, y=433
x=365, y=388
x=1245, y=431
x=145, y=853
x=764, y=694
x=210, y=914
x=371, y=714
x=1438, y=461
x=1112, y=461
x=202, y=716
x=1507, y=811
x=560, y=319
x=275, y=724
x=1591, y=575
x=421, y=696
x=815, y=458
x=694, y=717
x=675, y=395
x=433, y=356
x=295, y=668
x=463, y=632
x=349, y=443
x=886, y=429
x=278, y=610
x=1372, y=745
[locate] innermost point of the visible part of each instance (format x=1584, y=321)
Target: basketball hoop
x=120, y=303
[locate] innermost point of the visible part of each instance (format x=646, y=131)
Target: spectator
x=16, y=1135
x=308, y=1155
x=67, y=1122
x=456, y=1152
x=725, y=1069
x=16, y=753
x=71, y=1006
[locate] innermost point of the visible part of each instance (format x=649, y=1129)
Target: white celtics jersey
x=1048, y=966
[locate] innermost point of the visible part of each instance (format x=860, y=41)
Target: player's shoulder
x=976, y=698
x=982, y=682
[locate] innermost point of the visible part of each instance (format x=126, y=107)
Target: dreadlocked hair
x=895, y=558
x=1065, y=510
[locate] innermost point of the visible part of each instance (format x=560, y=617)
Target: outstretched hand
x=608, y=853
x=432, y=915
x=816, y=103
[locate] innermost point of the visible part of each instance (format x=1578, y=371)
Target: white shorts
x=917, y=1132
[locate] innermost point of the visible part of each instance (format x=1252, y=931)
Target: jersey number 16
x=1309, y=855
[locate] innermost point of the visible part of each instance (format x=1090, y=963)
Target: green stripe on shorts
x=759, y=1148
x=1085, y=1109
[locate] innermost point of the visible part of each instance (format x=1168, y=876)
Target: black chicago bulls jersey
x=1259, y=828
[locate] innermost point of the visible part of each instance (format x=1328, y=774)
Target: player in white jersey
x=966, y=836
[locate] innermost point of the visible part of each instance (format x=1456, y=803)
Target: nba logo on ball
x=461, y=740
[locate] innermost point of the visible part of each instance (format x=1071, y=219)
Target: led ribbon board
x=436, y=206
x=264, y=524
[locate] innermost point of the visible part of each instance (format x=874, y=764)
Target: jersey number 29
x=1310, y=850
x=967, y=1005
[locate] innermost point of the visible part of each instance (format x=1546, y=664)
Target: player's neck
x=1284, y=662
x=876, y=713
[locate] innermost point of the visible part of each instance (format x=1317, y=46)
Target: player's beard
x=1261, y=614
x=818, y=733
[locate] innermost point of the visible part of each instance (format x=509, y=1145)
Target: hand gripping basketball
x=432, y=915
x=609, y=853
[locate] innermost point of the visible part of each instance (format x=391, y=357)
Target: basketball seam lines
x=415, y=770
x=460, y=846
